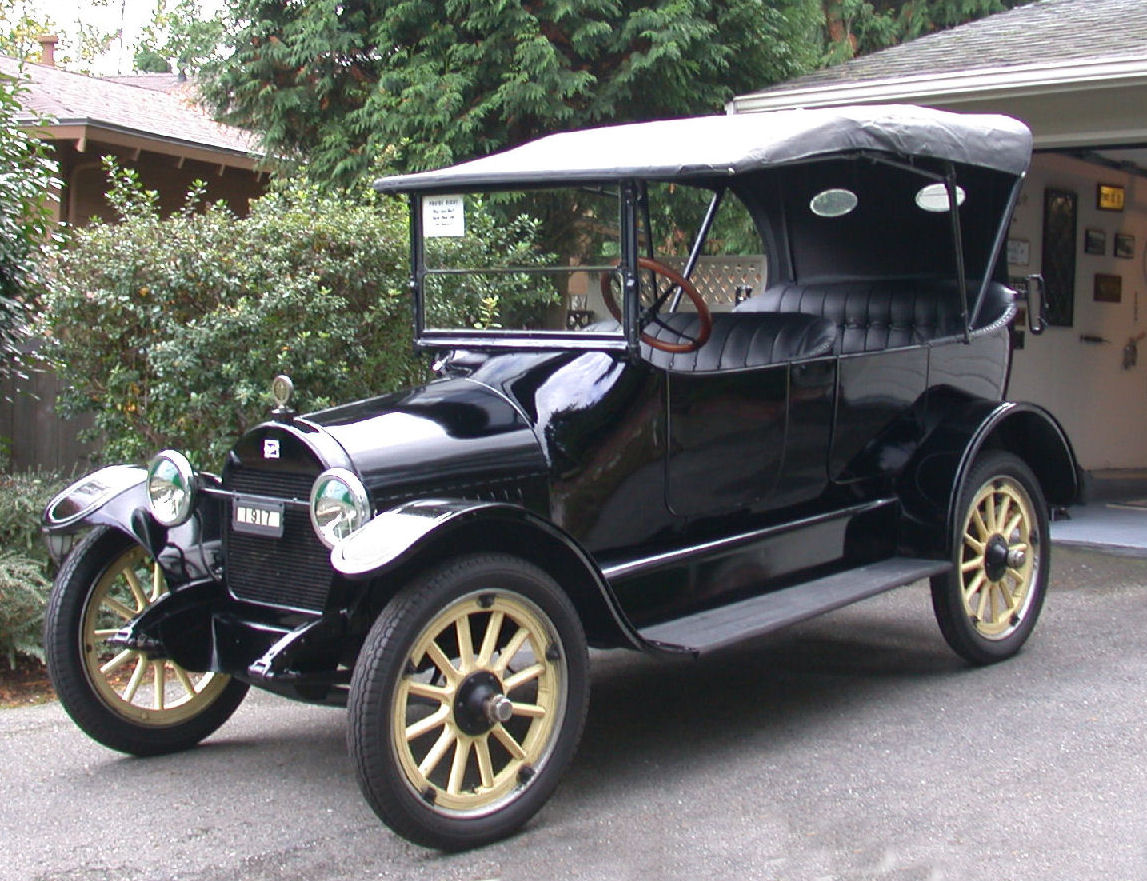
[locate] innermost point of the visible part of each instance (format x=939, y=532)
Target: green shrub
x=24, y=562
x=194, y=314
x=23, y=593
x=197, y=312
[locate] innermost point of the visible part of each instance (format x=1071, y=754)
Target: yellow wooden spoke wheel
x=988, y=603
x=476, y=711
x=468, y=700
x=130, y=701
x=999, y=557
x=148, y=691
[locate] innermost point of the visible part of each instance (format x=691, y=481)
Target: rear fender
x=413, y=537
x=929, y=486
x=116, y=496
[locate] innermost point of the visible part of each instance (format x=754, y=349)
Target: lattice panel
x=718, y=279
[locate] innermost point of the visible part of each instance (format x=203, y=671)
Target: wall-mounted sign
x=1109, y=198
x=1019, y=252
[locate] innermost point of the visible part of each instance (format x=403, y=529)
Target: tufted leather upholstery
x=881, y=314
x=739, y=341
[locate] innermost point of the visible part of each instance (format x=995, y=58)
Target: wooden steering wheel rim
x=703, y=314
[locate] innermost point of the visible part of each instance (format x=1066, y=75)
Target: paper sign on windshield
x=443, y=216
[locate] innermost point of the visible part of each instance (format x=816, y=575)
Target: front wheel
x=467, y=701
x=988, y=603
x=124, y=699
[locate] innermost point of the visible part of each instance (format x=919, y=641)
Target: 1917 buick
x=735, y=372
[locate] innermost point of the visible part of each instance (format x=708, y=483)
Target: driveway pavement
x=855, y=746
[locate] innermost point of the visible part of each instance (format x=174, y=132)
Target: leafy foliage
x=24, y=563
x=19, y=28
x=27, y=177
x=179, y=38
x=339, y=81
x=22, y=24
x=199, y=311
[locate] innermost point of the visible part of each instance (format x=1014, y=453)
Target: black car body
x=666, y=478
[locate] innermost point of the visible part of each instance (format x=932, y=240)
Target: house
x=1076, y=72
x=150, y=123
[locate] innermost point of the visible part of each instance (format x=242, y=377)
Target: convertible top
x=722, y=146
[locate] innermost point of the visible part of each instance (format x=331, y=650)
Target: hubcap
x=478, y=708
x=144, y=689
x=999, y=558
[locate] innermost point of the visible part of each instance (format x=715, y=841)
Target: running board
x=725, y=625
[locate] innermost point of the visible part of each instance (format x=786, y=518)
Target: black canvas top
x=721, y=146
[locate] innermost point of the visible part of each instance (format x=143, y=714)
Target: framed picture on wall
x=1124, y=246
x=1095, y=242
x=1109, y=197
x=1108, y=288
x=1058, y=255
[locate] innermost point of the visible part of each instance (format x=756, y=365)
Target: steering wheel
x=649, y=314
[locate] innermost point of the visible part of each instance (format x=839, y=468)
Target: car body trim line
x=732, y=543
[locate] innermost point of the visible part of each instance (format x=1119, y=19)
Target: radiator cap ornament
x=281, y=390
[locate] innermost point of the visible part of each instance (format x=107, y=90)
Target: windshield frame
x=480, y=339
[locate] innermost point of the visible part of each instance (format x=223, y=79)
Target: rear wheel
x=122, y=698
x=988, y=603
x=468, y=701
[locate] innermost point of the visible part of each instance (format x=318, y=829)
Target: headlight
x=170, y=488
x=339, y=505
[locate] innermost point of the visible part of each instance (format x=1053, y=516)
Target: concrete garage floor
x=1112, y=517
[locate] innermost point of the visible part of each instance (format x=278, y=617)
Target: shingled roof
x=1041, y=43
x=169, y=121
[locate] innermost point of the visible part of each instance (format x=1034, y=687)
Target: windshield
x=543, y=264
x=517, y=263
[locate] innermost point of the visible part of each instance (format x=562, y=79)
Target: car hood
x=437, y=438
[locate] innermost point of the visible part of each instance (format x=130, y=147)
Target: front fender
x=417, y=535
x=108, y=497
x=116, y=496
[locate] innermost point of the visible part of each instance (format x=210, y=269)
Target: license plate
x=258, y=517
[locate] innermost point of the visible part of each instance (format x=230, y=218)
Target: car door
x=748, y=440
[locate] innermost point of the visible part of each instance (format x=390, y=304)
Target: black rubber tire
x=100, y=552
x=968, y=636
x=382, y=672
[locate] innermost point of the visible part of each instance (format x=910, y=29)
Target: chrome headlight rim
x=358, y=512
x=180, y=484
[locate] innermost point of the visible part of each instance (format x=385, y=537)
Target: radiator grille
x=294, y=570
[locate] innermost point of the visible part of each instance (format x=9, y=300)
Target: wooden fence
x=33, y=435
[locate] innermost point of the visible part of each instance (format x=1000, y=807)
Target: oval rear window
x=833, y=203
x=934, y=198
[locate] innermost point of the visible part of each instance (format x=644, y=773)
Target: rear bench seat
x=870, y=316
x=741, y=341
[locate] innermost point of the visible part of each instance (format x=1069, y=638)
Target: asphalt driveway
x=855, y=746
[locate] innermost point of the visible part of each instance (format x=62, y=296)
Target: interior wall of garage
x=1078, y=372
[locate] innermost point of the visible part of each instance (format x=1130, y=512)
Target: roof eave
x=87, y=129
x=977, y=84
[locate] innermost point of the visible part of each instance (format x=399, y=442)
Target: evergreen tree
x=338, y=81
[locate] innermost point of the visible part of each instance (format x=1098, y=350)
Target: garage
x=1076, y=72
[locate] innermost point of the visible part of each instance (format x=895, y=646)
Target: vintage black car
x=697, y=380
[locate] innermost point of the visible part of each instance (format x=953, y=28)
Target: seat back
x=741, y=341
x=874, y=315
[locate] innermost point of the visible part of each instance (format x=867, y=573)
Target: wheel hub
x=996, y=557
x=480, y=704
